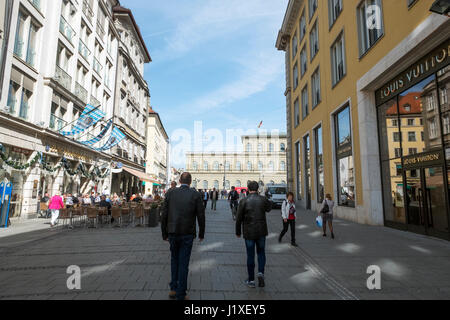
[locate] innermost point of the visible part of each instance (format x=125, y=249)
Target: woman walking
x=327, y=215
x=56, y=204
x=289, y=214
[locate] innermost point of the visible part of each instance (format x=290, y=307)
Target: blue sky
x=215, y=62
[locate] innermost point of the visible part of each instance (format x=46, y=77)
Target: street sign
x=5, y=200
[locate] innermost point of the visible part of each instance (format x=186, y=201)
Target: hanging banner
x=90, y=116
x=99, y=137
x=114, y=139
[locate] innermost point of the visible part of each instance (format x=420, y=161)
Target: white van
x=276, y=194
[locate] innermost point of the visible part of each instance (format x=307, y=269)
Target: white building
x=61, y=55
x=132, y=99
x=157, y=153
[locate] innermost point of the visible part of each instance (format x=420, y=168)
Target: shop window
x=319, y=165
x=344, y=156
x=298, y=166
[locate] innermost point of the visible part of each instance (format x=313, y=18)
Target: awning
x=141, y=175
x=156, y=184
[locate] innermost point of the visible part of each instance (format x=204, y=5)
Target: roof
x=412, y=99
x=122, y=10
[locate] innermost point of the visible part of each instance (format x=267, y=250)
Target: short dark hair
x=186, y=178
x=290, y=194
x=232, y=188
x=253, y=186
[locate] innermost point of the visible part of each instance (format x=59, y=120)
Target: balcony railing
x=84, y=50
x=63, y=78
x=36, y=4
x=94, y=102
x=81, y=92
x=97, y=66
x=87, y=10
x=66, y=29
x=56, y=123
x=23, y=112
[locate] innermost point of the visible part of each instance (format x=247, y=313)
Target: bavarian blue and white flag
x=90, y=116
x=99, y=137
x=114, y=139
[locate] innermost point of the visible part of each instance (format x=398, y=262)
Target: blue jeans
x=261, y=251
x=181, y=248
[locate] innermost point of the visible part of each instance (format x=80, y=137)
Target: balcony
x=23, y=112
x=36, y=4
x=81, y=92
x=87, y=10
x=83, y=50
x=63, y=78
x=94, y=102
x=66, y=30
x=97, y=66
x=56, y=123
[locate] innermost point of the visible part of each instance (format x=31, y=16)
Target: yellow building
x=352, y=67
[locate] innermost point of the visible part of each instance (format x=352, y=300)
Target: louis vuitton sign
x=433, y=158
x=431, y=63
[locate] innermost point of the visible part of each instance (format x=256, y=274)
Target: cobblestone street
x=134, y=263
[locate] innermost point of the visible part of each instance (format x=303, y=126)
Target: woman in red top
x=56, y=204
x=289, y=214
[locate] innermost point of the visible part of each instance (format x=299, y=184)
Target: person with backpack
x=327, y=215
x=289, y=214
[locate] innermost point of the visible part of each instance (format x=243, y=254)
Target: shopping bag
x=319, y=221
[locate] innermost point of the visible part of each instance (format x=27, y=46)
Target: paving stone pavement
x=134, y=263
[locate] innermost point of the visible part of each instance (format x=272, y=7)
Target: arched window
x=271, y=168
x=283, y=166
x=283, y=182
x=283, y=147
x=227, y=166
x=249, y=147
x=205, y=166
x=195, y=165
x=238, y=166
x=238, y=183
x=227, y=185
x=260, y=147
x=272, y=182
x=260, y=166
x=249, y=166
x=216, y=184
x=271, y=147
x=205, y=185
x=216, y=166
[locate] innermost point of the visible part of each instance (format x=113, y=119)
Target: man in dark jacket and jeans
x=182, y=207
x=252, y=215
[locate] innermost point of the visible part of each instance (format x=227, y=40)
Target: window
x=238, y=166
x=320, y=171
x=216, y=184
x=398, y=152
x=271, y=166
x=294, y=45
x=249, y=147
x=305, y=99
x=249, y=166
x=410, y=2
x=433, y=128
x=344, y=157
x=227, y=166
x=58, y=113
x=282, y=147
x=295, y=76
x=296, y=113
x=412, y=151
x=411, y=136
x=271, y=147
x=238, y=183
x=395, y=123
x=283, y=166
x=334, y=10
x=410, y=122
x=445, y=124
x=315, y=88
x=20, y=94
x=205, y=185
x=303, y=61
x=216, y=166
x=298, y=170
x=314, y=40
x=338, y=65
x=195, y=166
x=260, y=166
x=307, y=162
x=205, y=166
x=227, y=185
x=398, y=171
x=312, y=7
x=260, y=147
x=26, y=38
x=302, y=26
x=396, y=136
x=370, y=24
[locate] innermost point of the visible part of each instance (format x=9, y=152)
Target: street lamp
x=224, y=172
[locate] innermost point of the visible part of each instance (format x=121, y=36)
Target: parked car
x=276, y=193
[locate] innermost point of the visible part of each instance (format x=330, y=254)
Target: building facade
x=157, y=154
x=367, y=109
x=263, y=160
x=130, y=109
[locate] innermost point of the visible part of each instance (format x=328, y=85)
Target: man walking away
x=181, y=208
x=252, y=215
x=327, y=215
x=214, y=197
x=205, y=198
x=233, y=198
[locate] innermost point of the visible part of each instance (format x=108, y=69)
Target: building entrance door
x=426, y=201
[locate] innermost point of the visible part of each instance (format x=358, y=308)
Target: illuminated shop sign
x=424, y=160
x=431, y=63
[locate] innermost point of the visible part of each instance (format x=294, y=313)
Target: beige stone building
x=263, y=160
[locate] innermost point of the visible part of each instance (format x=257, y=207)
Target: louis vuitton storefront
x=414, y=143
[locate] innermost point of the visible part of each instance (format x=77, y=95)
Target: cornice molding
x=289, y=23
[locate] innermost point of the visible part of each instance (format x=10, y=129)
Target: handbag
x=326, y=208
